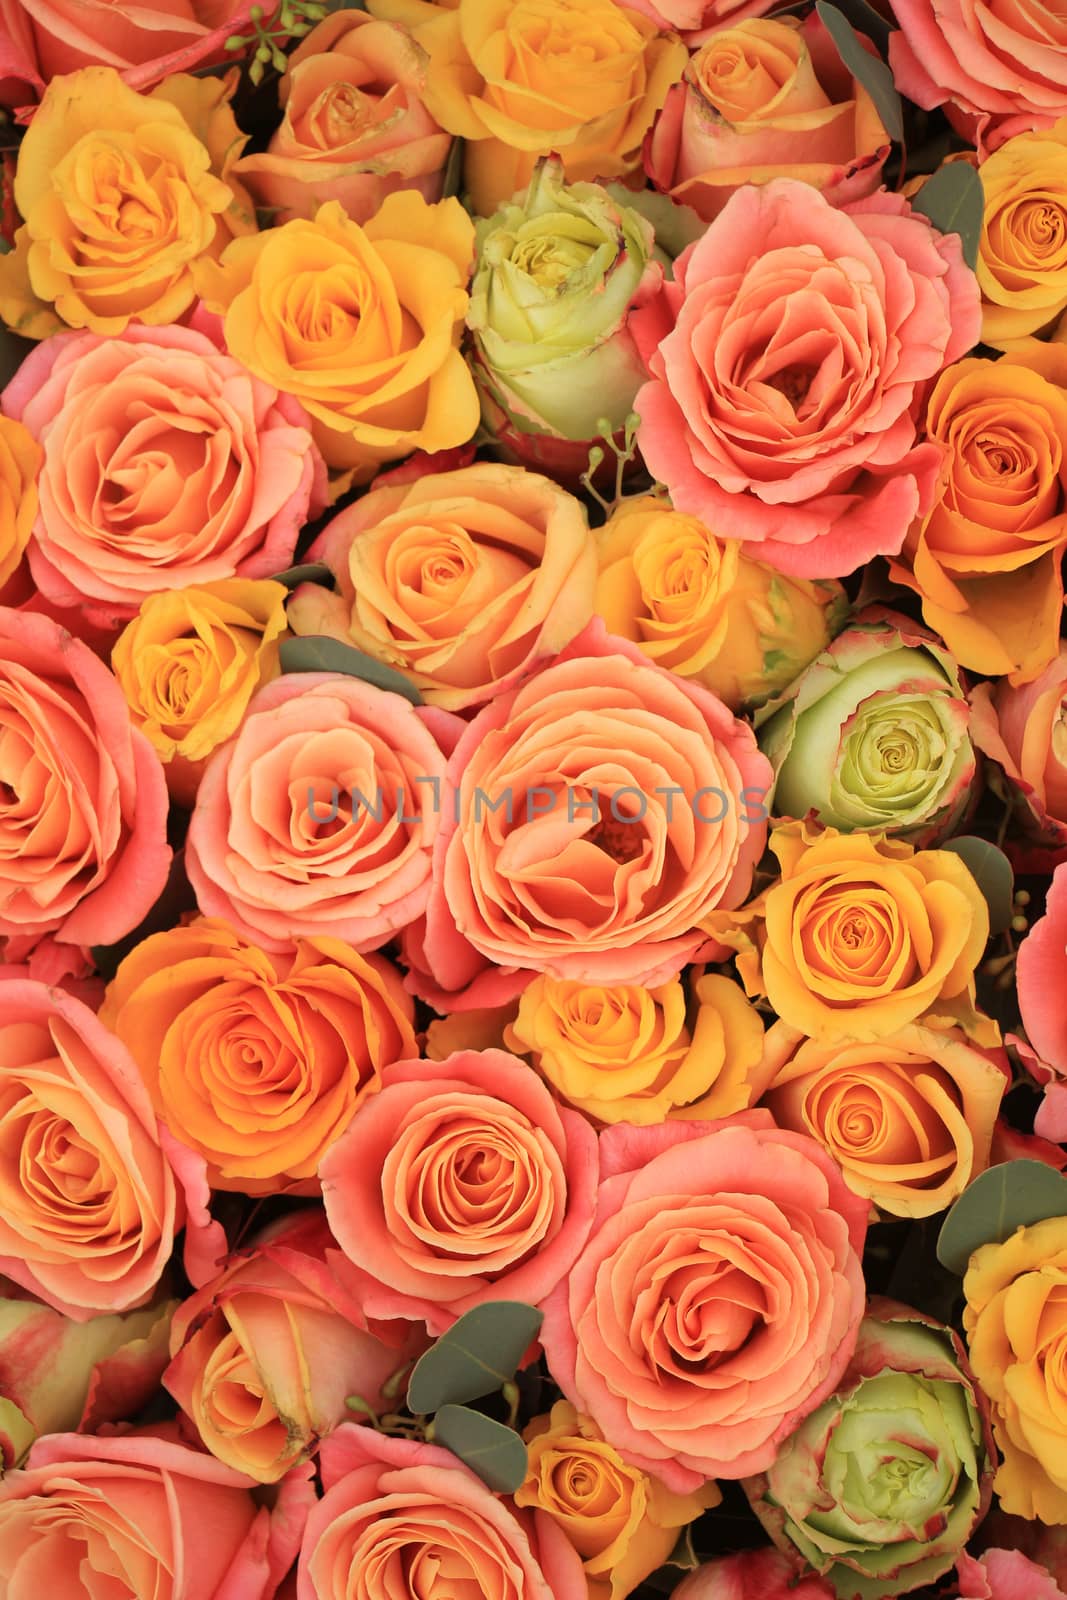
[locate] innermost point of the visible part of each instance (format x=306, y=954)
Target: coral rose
x=717, y=1300
x=1041, y=974
x=166, y=463
x=355, y=125
x=909, y=1117
x=789, y=358
x=463, y=581
x=312, y=821
x=258, y=1062
x=20, y=462
x=460, y=1182
x=83, y=830
x=752, y=1575
x=1005, y=1575
x=142, y=1515
x=593, y=817
x=395, y=1506
x=1024, y=730
x=862, y=935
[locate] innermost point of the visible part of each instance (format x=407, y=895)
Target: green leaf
x=865, y=19
x=476, y=1356
x=869, y=70
x=954, y=201
x=453, y=170
x=309, y=572
x=683, y=1555
x=991, y=871
x=1001, y=1199
x=319, y=653
x=494, y=1452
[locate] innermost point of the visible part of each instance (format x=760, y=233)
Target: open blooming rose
x=789, y=359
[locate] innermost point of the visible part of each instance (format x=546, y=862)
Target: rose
x=266, y=1354
x=343, y=850
x=699, y=606
x=698, y=20
x=20, y=462
x=189, y=663
x=166, y=463
x=144, y=1514
x=519, y=79
x=1022, y=261
x=751, y=1575
x=1024, y=730
x=873, y=735
x=622, y=1522
x=397, y=1506
x=355, y=126
x=831, y=390
x=862, y=935
x=89, y=1205
x=463, y=581
x=84, y=853
x=626, y=1053
x=257, y=1062
x=717, y=1300
x=1015, y=1320
x=1041, y=970
x=880, y=1488
x=361, y=325
x=592, y=818
x=1005, y=1575
x=119, y=199
x=57, y=1375
x=557, y=274
x=766, y=98
x=986, y=557
x=460, y=1183
x=909, y=1117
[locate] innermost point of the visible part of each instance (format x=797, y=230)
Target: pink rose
x=718, y=1299
x=166, y=463
x=697, y=20
x=318, y=817
x=593, y=816
x=142, y=1515
x=751, y=1575
x=460, y=1181
x=83, y=825
x=1005, y=1575
x=1041, y=976
x=396, y=1511
x=790, y=359
x=1024, y=730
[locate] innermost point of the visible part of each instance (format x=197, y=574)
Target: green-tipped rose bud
x=873, y=735
x=557, y=273
x=881, y=1487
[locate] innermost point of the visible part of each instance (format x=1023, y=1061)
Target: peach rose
x=909, y=1118
x=166, y=463
x=257, y=1062
x=316, y=818
x=83, y=828
x=772, y=329
x=355, y=127
x=463, y=581
x=142, y=1515
x=89, y=1205
x=1005, y=1575
x=593, y=817
x=766, y=98
x=394, y=1506
x=698, y=20
x=460, y=1182
x=718, y=1299
x=1024, y=730
x=20, y=462
x=1041, y=975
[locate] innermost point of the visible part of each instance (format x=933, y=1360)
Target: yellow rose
x=361, y=324
x=519, y=79
x=120, y=197
x=625, y=1053
x=1016, y=1326
x=861, y=935
x=20, y=461
x=190, y=662
x=622, y=1522
x=1022, y=253
x=700, y=607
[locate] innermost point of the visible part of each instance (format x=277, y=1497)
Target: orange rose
x=20, y=462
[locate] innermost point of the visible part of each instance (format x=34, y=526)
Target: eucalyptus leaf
x=869, y=70
x=494, y=1452
x=1001, y=1199
x=319, y=653
x=954, y=201
x=308, y=572
x=477, y=1355
x=992, y=872
x=865, y=19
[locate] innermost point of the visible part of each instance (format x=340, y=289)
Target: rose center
x=621, y=840
x=793, y=383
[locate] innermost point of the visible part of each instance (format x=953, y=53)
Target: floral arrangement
x=533, y=800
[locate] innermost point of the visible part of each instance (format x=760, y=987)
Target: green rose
x=873, y=735
x=556, y=276
x=881, y=1487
